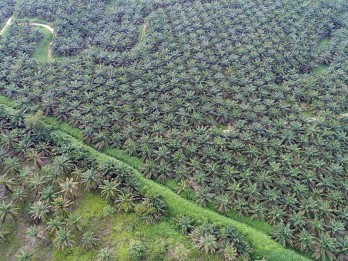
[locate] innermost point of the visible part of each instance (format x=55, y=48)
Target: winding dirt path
x=8, y=23
x=47, y=27
x=52, y=31
x=143, y=32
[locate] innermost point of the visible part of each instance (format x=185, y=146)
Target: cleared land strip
x=8, y=23
x=263, y=245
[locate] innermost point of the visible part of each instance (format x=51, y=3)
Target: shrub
x=136, y=250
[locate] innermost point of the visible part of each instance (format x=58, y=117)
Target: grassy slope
x=117, y=232
x=262, y=243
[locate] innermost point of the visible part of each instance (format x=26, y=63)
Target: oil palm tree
x=283, y=234
x=7, y=210
x=109, y=189
x=207, y=243
x=38, y=211
x=89, y=240
x=125, y=201
x=63, y=239
x=90, y=179
x=73, y=222
x=55, y=224
x=69, y=187
x=324, y=247
x=61, y=205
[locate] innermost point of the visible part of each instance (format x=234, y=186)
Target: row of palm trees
x=210, y=238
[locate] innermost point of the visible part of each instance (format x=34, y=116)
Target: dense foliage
x=6, y=9
x=46, y=174
x=229, y=99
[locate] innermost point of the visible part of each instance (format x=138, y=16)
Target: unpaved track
x=49, y=28
x=8, y=23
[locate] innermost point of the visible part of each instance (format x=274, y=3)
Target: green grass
x=13, y=242
x=41, y=51
x=75, y=132
x=122, y=156
x=323, y=42
x=321, y=68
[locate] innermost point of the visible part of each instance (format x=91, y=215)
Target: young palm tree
x=24, y=254
x=52, y=174
x=63, y=239
x=38, y=211
x=109, y=189
x=222, y=203
x=105, y=254
x=48, y=194
x=304, y=240
x=182, y=187
x=203, y=196
x=55, y=224
x=230, y=253
x=61, y=205
x=207, y=243
x=69, y=187
x=324, y=247
x=62, y=163
x=73, y=222
x=276, y=215
x=184, y=224
x=37, y=182
x=37, y=158
x=8, y=182
x=90, y=179
x=35, y=234
x=7, y=210
x=283, y=234
x=125, y=201
x=3, y=234
x=9, y=140
x=89, y=240
x=181, y=253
